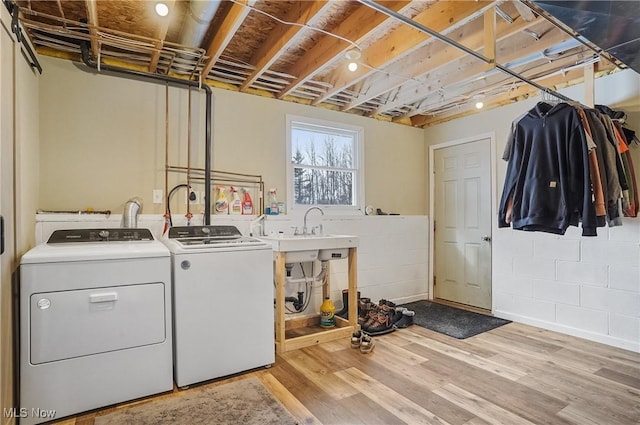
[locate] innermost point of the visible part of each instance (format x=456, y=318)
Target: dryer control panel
x=100, y=235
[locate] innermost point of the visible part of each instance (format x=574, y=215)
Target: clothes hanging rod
x=393, y=14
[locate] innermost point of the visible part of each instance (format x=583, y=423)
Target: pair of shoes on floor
x=387, y=303
x=403, y=317
x=379, y=321
x=362, y=341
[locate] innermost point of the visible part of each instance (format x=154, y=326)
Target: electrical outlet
x=157, y=196
x=195, y=201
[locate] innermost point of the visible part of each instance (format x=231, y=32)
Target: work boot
x=364, y=305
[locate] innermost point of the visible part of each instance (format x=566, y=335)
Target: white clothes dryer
x=95, y=322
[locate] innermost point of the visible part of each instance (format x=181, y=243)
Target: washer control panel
x=100, y=235
x=204, y=231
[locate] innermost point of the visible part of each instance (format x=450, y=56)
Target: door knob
x=486, y=238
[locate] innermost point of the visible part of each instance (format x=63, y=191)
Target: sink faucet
x=304, y=223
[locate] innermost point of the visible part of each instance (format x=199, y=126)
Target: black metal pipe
x=15, y=28
x=393, y=14
x=86, y=59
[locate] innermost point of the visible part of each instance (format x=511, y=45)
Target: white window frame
x=358, y=158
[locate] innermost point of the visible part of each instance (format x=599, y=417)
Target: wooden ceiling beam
x=441, y=16
x=283, y=35
x=490, y=38
x=233, y=19
x=466, y=66
x=501, y=81
x=160, y=35
x=92, y=20
x=64, y=24
x=524, y=91
x=524, y=11
x=434, y=56
x=354, y=27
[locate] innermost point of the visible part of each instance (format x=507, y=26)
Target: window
x=324, y=165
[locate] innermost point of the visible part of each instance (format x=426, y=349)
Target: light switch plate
x=157, y=196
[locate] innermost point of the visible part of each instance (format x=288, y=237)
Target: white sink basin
x=300, y=248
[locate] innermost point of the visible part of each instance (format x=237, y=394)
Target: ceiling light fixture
x=479, y=101
x=352, y=56
x=162, y=9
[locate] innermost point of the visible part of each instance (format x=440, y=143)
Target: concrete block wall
x=587, y=287
x=392, y=255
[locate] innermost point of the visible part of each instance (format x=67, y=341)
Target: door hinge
x=434, y=281
x=1, y=235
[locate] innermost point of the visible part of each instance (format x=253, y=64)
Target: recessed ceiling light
x=479, y=100
x=352, y=55
x=162, y=9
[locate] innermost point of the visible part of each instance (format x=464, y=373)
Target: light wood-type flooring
x=512, y=375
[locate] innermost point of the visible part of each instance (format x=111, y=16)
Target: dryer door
x=68, y=324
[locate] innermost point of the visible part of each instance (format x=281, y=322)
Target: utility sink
x=301, y=248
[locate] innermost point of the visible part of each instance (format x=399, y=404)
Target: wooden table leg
x=353, y=287
x=279, y=313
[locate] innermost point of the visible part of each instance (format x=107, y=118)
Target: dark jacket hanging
x=547, y=177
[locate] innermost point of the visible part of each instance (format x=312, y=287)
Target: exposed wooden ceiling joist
x=280, y=38
x=404, y=40
x=523, y=91
x=160, y=35
x=234, y=17
x=295, y=49
x=438, y=56
x=355, y=27
x=447, y=78
x=92, y=18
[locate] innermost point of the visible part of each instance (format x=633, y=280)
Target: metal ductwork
x=614, y=26
x=198, y=18
x=130, y=214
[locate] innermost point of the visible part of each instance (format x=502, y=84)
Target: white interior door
x=462, y=201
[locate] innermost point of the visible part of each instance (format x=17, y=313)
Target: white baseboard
x=568, y=330
x=411, y=298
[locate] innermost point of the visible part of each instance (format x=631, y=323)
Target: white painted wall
x=588, y=287
x=103, y=141
x=19, y=186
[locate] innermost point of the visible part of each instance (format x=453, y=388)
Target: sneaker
x=366, y=344
x=406, y=320
x=356, y=339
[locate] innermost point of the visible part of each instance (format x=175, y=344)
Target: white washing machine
x=95, y=322
x=222, y=302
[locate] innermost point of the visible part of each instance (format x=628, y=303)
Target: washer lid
x=85, y=251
